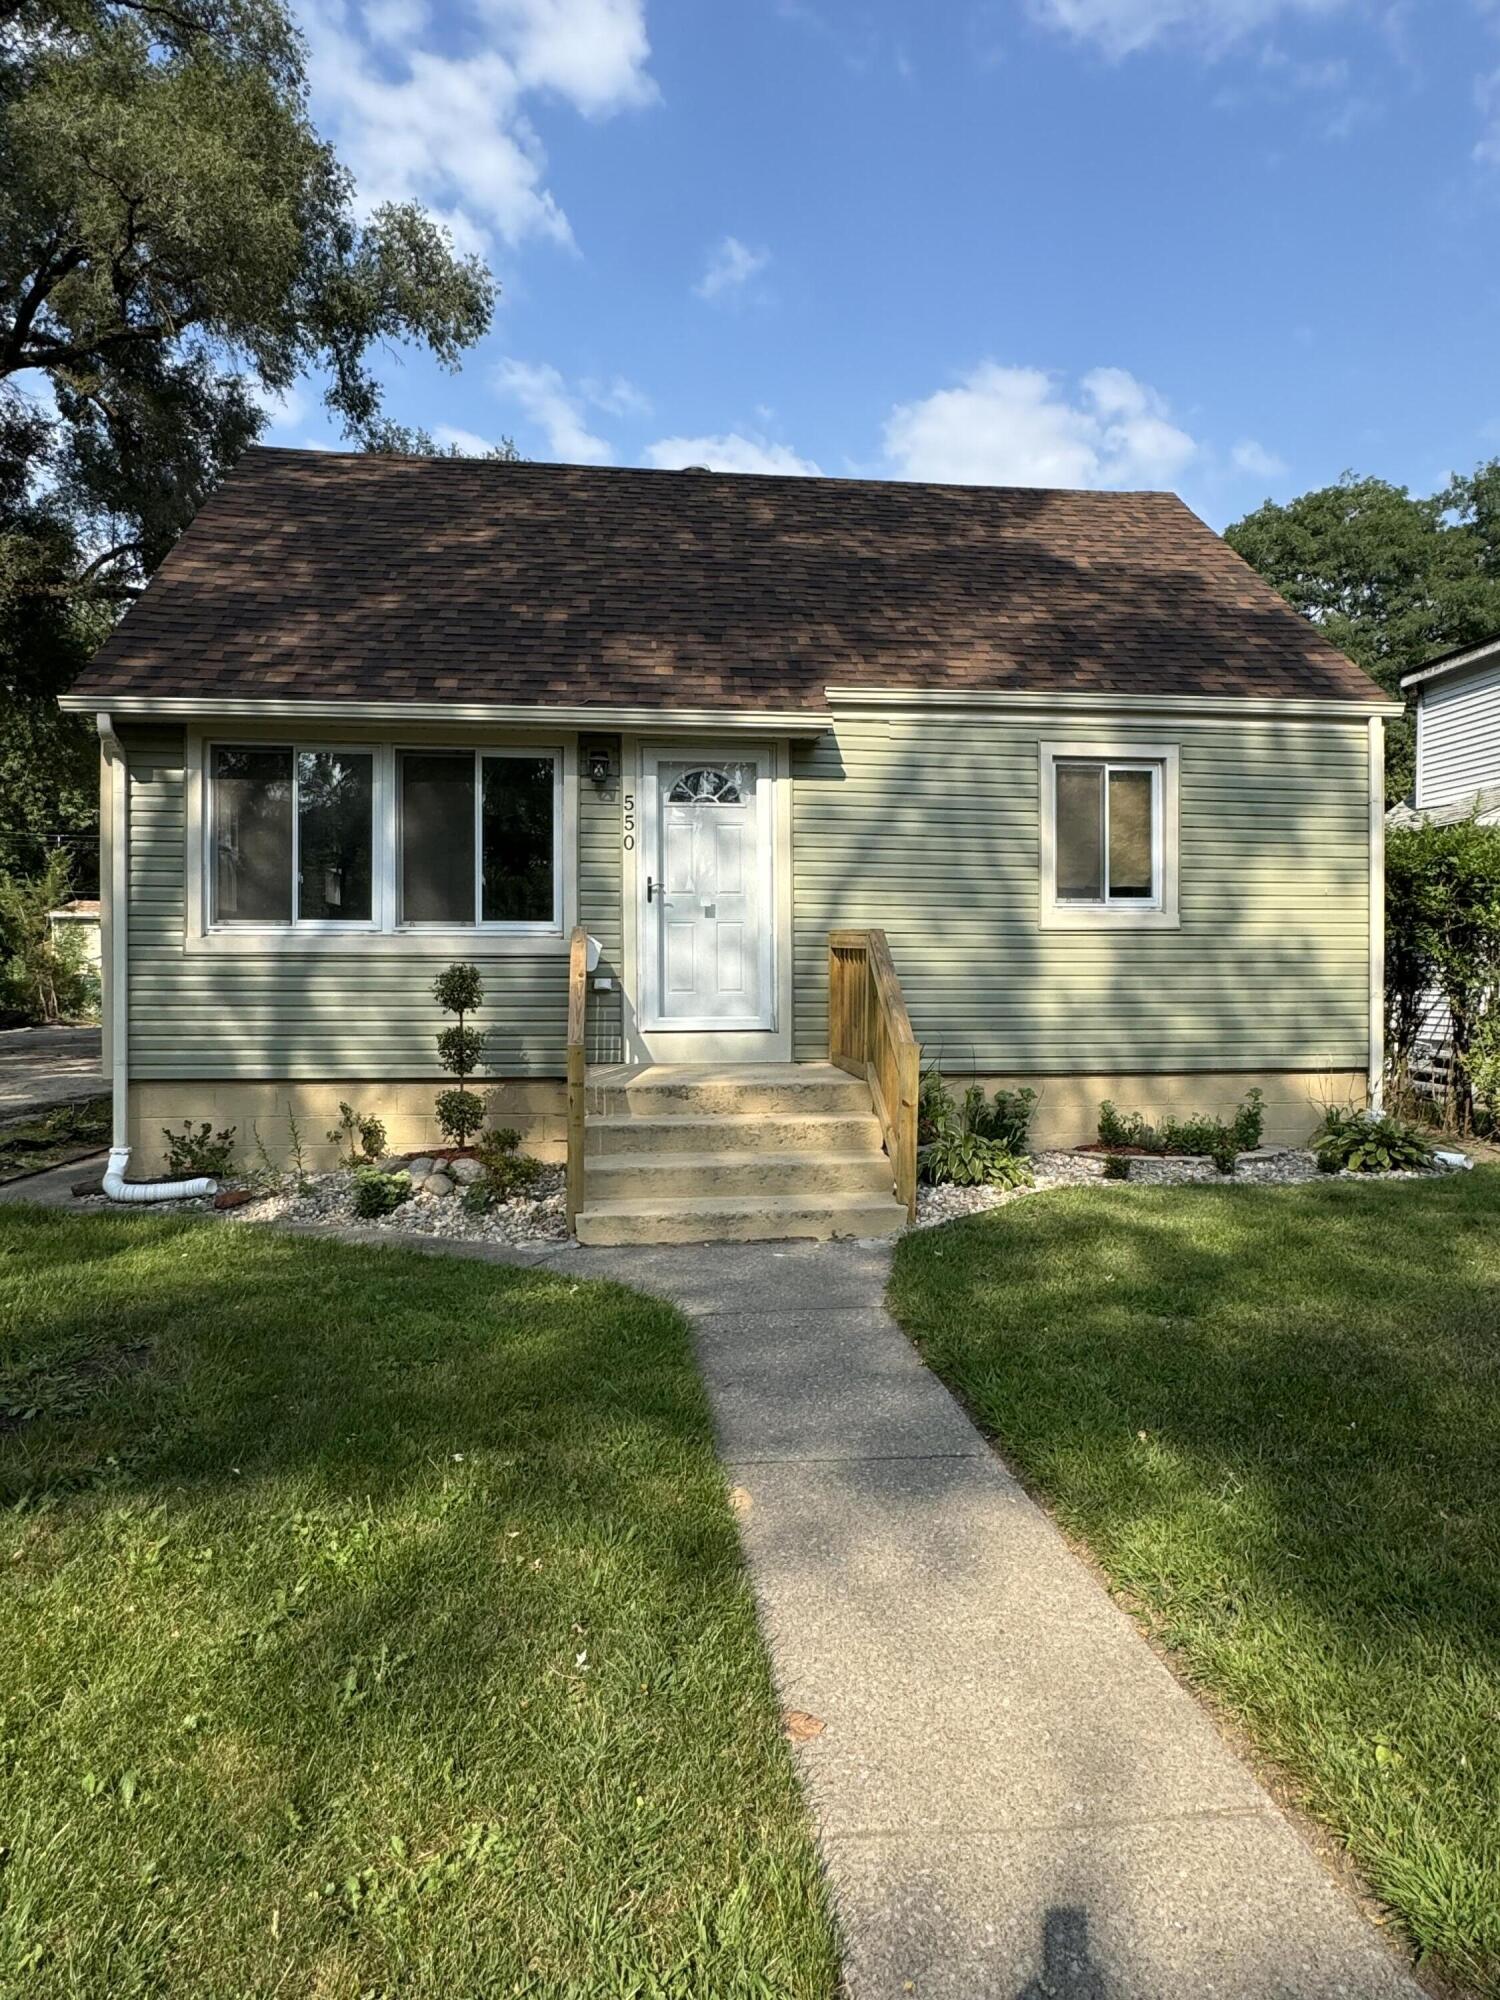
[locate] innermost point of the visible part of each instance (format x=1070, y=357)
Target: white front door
x=708, y=911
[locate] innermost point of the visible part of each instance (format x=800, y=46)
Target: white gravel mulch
x=329, y=1199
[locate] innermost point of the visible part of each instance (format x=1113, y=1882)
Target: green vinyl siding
x=930, y=827
x=314, y=1015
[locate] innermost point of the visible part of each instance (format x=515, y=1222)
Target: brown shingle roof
x=316, y=575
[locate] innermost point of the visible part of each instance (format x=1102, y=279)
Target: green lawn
x=1273, y=1414
x=374, y=1625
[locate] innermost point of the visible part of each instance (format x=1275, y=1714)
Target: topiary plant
x=459, y=990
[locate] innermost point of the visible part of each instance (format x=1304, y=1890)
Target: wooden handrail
x=578, y=1007
x=870, y=1035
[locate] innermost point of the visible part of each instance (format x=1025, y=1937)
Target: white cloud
x=1256, y=462
x=730, y=269
x=284, y=411
x=453, y=131
x=1122, y=27
x=731, y=452
x=557, y=411
x=617, y=397
x=1016, y=427
x=468, y=442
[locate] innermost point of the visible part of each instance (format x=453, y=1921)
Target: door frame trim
x=697, y=1046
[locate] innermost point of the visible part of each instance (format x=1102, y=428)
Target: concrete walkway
x=1013, y=1797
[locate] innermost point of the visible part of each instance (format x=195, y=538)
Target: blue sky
x=1233, y=247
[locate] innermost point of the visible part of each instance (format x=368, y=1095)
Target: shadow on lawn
x=1329, y=1356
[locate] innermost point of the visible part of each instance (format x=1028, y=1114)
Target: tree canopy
x=1391, y=578
x=177, y=247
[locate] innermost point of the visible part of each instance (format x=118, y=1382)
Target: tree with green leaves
x=1391, y=578
x=177, y=247
x=1443, y=936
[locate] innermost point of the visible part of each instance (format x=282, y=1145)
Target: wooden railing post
x=578, y=1000
x=870, y=1034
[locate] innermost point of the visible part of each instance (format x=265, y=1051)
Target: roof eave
x=1453, y=663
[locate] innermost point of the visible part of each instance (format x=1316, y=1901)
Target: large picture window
x=480, y=833
x=293, y=835
x=1109, y=834
x=311, y=838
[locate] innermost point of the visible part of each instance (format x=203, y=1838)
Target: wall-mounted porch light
x=596, y=761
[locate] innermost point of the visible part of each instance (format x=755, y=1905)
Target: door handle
x=650, y=888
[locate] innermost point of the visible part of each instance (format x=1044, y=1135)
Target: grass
x=1273, y=1414
x=375, y=1625
x=66, y=1132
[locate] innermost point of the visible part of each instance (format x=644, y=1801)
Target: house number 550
x=629, y=821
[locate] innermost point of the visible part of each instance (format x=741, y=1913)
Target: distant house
x=658, y=751
x=1458, y=736
x=1458, y=774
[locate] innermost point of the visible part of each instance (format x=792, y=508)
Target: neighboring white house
x=1458, y=736
x=1458, y=773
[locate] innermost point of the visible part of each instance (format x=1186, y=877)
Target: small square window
x=1109, y=829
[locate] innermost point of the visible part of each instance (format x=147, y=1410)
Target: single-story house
x=1115, y=807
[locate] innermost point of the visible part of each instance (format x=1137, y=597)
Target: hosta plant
x=1360, y=1142
x=966, y=1160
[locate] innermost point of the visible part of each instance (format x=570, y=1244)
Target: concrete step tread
x=687, y=1122
x=677, y=1076
x=836, y=1201
x=629, y=1163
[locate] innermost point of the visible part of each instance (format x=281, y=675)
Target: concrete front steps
x=678, y=1155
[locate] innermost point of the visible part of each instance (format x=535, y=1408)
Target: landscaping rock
x=465, y=1171
x=393, y=1163
x=420, y=1168
x=437, y=1184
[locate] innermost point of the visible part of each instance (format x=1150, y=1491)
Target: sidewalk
x=1013, y=1796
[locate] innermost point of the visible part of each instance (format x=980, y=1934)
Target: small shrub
x=359, y=1136
x=377, y=1194
x=1222, y=1140
x=1365, y=1143
x=1005, y=1118
x=1116, y=1168
x=507, y=1172
x=1483, y=1066
x=205, y=1151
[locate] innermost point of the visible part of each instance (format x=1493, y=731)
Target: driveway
x=40, y=1067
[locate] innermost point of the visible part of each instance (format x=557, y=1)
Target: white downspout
x=115, y=1184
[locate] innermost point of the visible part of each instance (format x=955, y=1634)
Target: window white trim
x=1161, y=911
x=384, y=933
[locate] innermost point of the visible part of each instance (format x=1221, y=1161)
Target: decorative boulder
x=421, y=1168
x=465, y=1171
x=437, y=1183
